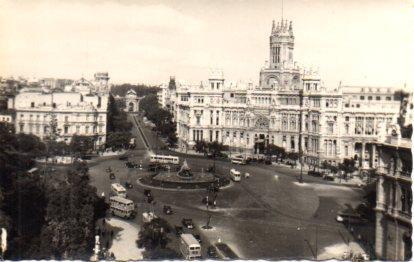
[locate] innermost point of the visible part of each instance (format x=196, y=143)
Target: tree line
x=140, y=89
x=163, y=119
x=45, y=217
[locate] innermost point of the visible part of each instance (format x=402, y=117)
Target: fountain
x=185, y=171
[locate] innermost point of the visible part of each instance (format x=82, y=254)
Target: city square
x=206, y=130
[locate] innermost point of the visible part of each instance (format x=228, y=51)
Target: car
x=178, y=230
x=198, y=238
x=187, y=223
x=314, y=173
x=167, y=210
x=128, y=185
x=329, y=177
x=267, y=161
x=350, y=218
x=246, y=175
x=123, y=158
x=86, y=157
x=212, y=252
x=147, y=192
x=111, y=176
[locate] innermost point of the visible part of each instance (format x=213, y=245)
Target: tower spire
x=282, y=10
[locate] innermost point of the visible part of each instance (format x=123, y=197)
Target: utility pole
x=300, y=135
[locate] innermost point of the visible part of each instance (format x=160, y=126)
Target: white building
x=81, y=109
x=289, y=107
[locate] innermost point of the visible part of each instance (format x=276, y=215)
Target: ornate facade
x=288, y=107
x=80, y=109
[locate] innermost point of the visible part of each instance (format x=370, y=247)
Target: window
x=217, y=135
x=357, y=105
x=241, y=135
x=347, y=118
x=211, y=117
x=227, y=133
x=234, y=134
x=212, y=86
x=211, y=135
x=330, y=128
x=66, y=118
x=54, y=105
x=32, y=104
x=362, y=97
x=292, y=142
x=77, y=129
x=369, y=97
x=21, y=127
x=346, y=105
x=87, y=129
x=66, y=129
x=378, y=98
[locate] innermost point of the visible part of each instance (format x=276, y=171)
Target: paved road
x=268, y=216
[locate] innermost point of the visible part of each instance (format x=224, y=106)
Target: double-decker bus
x=122, y=207
x=162, y=159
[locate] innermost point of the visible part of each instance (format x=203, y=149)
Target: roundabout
x=185, y=178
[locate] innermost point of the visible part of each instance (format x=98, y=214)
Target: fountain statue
x=185, y=171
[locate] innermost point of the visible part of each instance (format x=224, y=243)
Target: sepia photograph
x=206, y=130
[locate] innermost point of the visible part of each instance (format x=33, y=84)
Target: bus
x=122, y=207
x=235, y=175
x=189, y=246
x=118, y=190
x=240, y=160
x=164, y=159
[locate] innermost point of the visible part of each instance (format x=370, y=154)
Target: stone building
x=288, y=106
x=131, y=101
x=80, y=109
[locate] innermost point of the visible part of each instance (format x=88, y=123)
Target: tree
x=81, y=145
x=118, y=140
x=278, y=151
x=294, y=156
x=154, y=234
x=347, y=166
x=200, y=146
x=215, y=148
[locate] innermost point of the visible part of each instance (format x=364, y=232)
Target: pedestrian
x=103, y=221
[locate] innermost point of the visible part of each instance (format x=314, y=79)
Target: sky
x=357, y=42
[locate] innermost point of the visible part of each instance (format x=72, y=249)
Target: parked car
x=187, y=223
x=178, y=230
x=111, y=176
x=128, y=185
x=348, y=217
x=123, y=157
x=86, y=157
x=167, y=210
x=212, y=252
x=314, y=173
x=329, y=177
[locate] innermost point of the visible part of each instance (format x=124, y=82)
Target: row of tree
x=45, y=218
x=141, y=90
x=119, y=128
x=162, y=118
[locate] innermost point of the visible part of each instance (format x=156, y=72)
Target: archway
x=131, y=107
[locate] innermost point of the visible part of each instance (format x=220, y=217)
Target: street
x=267, y=216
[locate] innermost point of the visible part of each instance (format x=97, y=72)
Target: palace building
x=288, y=107
x=79, y=109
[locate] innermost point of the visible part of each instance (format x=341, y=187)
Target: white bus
x=122, y=207
x=189, y=247
x=235, y=175
x=118, y=190
x=240, y=160
x=164, y=159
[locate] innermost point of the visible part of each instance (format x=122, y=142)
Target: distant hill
x=141, y=90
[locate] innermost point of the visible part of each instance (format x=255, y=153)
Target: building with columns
x=289, y=106
x=79, y=109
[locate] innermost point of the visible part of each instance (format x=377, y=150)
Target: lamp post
x=300, y=135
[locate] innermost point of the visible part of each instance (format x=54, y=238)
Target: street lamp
x=300, y=135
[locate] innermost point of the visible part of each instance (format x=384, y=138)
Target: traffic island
x=185, y=178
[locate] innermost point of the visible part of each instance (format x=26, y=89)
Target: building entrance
x=259, y=144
